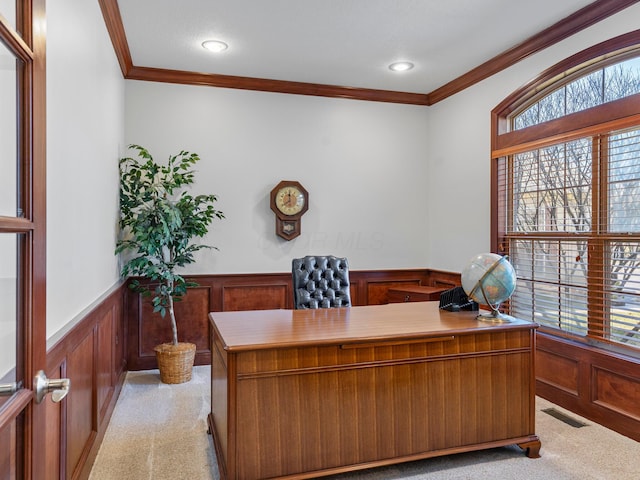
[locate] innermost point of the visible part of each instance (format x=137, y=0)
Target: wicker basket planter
x=175, y=361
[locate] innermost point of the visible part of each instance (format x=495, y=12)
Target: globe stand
x=495, y=316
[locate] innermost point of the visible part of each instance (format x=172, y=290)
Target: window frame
x=595, y=122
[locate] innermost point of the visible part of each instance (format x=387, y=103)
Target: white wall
x=363, y=163
x=410, y=186
x=459, y=170
x=391, y=186
x=85, y=130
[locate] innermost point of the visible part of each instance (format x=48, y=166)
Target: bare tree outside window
x=605, y=85
x=552, y=199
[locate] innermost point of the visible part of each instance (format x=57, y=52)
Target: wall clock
x=289, y=201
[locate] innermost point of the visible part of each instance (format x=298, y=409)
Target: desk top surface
x=261, y=329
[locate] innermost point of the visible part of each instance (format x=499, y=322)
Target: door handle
x=8, y=389
x=58, y=387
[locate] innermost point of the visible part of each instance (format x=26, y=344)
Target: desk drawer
x=399, y=296
x=272, y=361
x=414, y=294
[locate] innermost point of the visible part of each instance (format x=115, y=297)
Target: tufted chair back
x=320, y=282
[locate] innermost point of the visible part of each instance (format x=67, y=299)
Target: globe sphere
x=489, y=279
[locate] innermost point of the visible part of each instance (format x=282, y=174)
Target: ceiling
x=347, y=43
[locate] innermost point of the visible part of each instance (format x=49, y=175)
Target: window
x=603, y=85
x=567, y=201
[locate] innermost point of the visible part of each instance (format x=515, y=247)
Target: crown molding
x=113, y=21
x=583, y=18
x=279, y=86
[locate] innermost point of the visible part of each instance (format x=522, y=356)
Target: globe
x=489, y=279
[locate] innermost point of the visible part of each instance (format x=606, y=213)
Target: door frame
x=30, y=47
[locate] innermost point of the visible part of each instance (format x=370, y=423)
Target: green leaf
x=158, y=222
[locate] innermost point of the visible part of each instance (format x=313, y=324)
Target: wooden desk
x=306, y=393
x=414, y=293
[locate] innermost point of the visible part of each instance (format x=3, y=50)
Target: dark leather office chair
x=320, y=282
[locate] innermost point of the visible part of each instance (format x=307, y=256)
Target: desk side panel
x=219, y=415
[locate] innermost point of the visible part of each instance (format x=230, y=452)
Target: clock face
x=289, y=200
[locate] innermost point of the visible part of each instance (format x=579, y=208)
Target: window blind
x=569, y=219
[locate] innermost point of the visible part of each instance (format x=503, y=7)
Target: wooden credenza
x=306, y=393
x=414, y=293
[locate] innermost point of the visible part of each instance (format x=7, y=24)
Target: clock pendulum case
x=289, y=201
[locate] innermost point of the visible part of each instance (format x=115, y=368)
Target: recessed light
x=401, y=66
x=215, y=45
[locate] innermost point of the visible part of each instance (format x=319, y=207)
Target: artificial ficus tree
x=159, y=222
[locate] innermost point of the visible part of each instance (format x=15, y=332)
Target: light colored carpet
x=159, y=432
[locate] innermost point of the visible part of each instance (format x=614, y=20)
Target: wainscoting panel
x=618, y=393
x=91, y=355
x=603, y=386
x=256, y=297
x=557, y=370
x=80, y=400
x=104, y=362
x=191, y=314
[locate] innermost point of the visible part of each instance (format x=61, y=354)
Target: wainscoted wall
x=217, y=293
x=599, y=385
x=119, y=334
x=92, y=355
